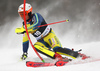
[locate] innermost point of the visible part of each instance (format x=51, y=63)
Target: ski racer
x=45, y=36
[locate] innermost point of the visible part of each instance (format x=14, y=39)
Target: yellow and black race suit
x=45, y=36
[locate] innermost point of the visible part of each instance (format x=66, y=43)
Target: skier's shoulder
x=37, y=14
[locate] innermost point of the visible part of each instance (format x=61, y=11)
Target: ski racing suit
x=46, y=38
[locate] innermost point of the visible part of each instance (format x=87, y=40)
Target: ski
x=38, y=64
x=55, y=63
x=41, y=64
x=81, y=60
x=59, y=63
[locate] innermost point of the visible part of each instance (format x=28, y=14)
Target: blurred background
x=83, y=15
x=81, y=32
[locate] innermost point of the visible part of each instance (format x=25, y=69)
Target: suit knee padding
x=44, y=51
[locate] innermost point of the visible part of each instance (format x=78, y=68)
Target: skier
x=45, y=36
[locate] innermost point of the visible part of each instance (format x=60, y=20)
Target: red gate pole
x=28, y=35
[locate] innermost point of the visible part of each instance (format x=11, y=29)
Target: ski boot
x=24, y=56
x=58, y=57
x=60, y=61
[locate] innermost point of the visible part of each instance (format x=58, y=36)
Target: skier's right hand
x=20, y=30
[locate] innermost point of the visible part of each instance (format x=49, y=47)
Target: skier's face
x=26, y=16
x=22, y=15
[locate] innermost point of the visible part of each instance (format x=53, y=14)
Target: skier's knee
x=45, y=51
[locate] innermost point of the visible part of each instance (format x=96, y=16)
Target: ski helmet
x=28, y=9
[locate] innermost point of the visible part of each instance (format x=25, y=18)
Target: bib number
x=37, y=33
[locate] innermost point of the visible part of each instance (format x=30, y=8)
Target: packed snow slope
x=11, y=50
x=81, y=32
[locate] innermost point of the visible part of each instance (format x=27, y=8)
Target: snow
x=11, y=50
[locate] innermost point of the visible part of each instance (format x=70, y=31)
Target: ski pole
x=28, y=35
x=67, y=20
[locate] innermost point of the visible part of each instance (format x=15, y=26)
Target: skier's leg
x=40, y=47
x=53, y=41
x=25, y=46
x=67, y=52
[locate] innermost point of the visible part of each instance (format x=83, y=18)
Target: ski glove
x=20, y=30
